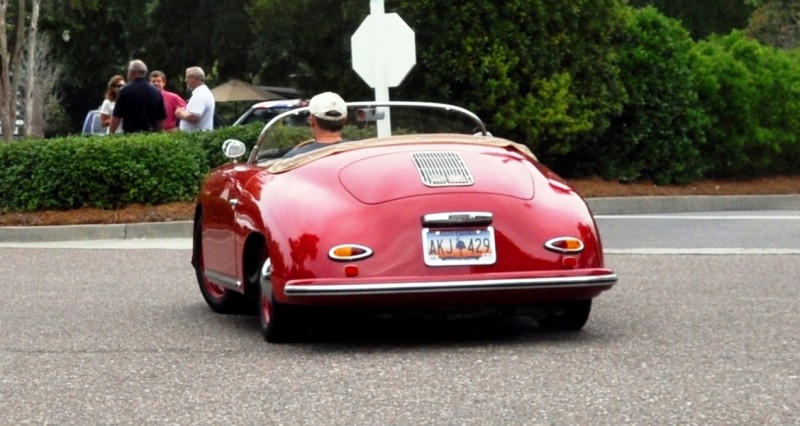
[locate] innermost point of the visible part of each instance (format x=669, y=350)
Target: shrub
x=211, y=142
x=111, y=172
x=751, y=94
x=540, y=72
x=661, y=129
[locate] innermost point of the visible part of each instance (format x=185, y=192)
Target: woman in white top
x=107, y=109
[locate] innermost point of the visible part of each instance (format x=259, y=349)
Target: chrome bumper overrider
x=300, y=289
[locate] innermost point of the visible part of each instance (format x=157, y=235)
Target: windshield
x=368, y=120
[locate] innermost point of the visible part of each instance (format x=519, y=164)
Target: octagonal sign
x=383, y=50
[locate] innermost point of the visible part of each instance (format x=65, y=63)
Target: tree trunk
x=30, y=72
x=11, y=61
x=5, y=79
x=17, y=73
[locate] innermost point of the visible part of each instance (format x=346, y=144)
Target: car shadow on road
x=342, y=332
x=413, y=332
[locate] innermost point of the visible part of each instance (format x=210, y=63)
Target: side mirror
x=233, y=148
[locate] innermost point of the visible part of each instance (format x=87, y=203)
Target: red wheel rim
x=266, y=309
x=214, y=290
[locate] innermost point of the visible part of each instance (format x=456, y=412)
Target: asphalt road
x=104, y=336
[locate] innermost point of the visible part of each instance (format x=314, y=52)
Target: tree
x=703, y=18
x=43, y=111
x=87, y=47
x=94, y=40
x=661, y=128
x=12, y=42
x=543, y=73
x=776, y=23
x=28, y=76
x=306, y=44
x=750, y=93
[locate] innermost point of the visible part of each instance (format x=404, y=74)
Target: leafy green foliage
x=703, y=18
x=751, y=94
x=211, y=142
x=542, y=72
x=593, y=87
x=306, y=44
x=111, y=172
x=662, y=126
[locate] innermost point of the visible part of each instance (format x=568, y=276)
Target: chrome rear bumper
x=295, y=289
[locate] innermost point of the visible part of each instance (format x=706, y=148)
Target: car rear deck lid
x=391, y=176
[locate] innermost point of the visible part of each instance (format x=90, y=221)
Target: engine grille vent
x=442, y=169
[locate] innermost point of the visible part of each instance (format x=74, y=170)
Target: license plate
x=450, y=247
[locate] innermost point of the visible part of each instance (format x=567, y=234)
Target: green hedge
x=751, y=94
x=601, y=88
x=110, y=172
x=661, y=129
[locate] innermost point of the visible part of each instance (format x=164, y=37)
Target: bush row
x=110, y=172
x=724, y=107
x=601, y=88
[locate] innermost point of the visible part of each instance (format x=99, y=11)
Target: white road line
x=132, y=244
x=703, y=251
x=667, y=217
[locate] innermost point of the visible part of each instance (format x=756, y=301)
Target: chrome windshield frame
x=370, y=104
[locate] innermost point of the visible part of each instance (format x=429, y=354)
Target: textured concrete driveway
x=103, y=336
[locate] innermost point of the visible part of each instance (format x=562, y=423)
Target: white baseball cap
x=328, y=106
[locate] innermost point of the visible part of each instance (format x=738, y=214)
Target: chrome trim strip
x=447, y=286
x=223, y=280
x=457, y=219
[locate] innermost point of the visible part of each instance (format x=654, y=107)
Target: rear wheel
x=277, y=319
x=569, y=316
x=219, y=299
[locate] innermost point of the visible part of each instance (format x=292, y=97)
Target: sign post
x=383, y=53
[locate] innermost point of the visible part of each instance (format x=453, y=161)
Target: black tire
x=219, y=299
x=278, y=322
x=568, y=316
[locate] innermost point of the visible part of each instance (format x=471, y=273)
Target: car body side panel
x=220, y=199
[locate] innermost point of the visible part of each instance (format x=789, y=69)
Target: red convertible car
x=419, y=209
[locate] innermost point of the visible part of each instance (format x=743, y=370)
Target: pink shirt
x=172, y=101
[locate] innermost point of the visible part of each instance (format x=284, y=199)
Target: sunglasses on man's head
x=119, y=85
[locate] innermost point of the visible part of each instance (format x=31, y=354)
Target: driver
x=328, y=115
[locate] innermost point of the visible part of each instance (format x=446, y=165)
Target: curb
x=599, y=206
x=692, y=203
x=38, y=234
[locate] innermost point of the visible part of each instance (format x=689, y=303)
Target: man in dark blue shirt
x=139, y=107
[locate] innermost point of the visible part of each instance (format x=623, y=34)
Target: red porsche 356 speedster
x=420, y=208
